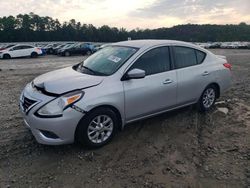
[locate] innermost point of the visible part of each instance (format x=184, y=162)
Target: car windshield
x=78, y=45
x=68, y=46
x=106, y=61
x=9, y=46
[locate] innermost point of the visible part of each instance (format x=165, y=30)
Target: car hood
x=65, y=80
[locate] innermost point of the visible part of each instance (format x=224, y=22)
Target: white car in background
x=20, y=51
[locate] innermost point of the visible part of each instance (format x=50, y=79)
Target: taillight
x=228, y=65
x=38, y=50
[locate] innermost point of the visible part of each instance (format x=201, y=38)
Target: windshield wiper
x=81, y=66
x=89, y=69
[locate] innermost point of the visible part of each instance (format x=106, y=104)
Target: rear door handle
x=168, y=81
x=205, y=73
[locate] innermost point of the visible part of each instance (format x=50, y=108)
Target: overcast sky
x=135, y=13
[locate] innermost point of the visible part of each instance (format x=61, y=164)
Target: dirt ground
x=178, y=149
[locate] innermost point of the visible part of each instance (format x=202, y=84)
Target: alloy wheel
x=208, y=98
x=100, y=129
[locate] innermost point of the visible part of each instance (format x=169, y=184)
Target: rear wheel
x=6, y=56
x=97, y=128
x=34, y=55
x=88, y=52
x=207, y=98
x=51, y=51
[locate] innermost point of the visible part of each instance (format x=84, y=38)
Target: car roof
x=150, y=43
x=23, y=45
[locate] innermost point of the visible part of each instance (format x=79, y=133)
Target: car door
x=15, y=51
x=22, y=52
x=156, y=91
x=83, y=49
x=191, y=75
x=29, y=50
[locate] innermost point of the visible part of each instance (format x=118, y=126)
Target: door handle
x=168, y=81
x=205, y=73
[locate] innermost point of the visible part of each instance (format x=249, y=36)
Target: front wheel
x=51, y=51
x=97, y=128
x=88, y=53
x=6, y=56
x=67, y=54
x=207, y=98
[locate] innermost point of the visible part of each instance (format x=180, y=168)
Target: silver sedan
x=122, y=83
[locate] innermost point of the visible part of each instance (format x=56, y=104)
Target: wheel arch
x=117, y=112
x=34, y=53
x=6, y=54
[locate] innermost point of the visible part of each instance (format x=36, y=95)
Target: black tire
x=88, y=52
x=202, y=107
x=51, y=51
x=83, y=127
x=67, y=54
x=6, y=56
x=34, y=55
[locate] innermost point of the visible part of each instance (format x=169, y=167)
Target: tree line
x=32, y=27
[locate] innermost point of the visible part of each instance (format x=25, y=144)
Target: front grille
x=27, y=103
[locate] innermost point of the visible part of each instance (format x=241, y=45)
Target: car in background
x=90, y=46
x=214, y=45
x=122, y=83
x=96, y=47
x=41, y=47
x=49, y=49
x=102, y=46
x=77, y=49
x=58, y=51
x=21, y=51
x=57, y=48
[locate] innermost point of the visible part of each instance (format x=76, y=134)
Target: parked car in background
x=57, y=48
x=96, y=47
x=20, y=51
x=102, y=46
x=49, y=49
x=65, y=47
x=76, y=49
x=89, y=46
x=120, y=84
x=214, y=45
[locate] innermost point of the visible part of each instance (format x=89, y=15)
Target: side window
x=184, y=57
x=200, y=56
x=26, y=47
x=154, y=61
x=17, y=48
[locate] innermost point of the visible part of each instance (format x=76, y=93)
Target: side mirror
x=134, y=74
x=11, y=49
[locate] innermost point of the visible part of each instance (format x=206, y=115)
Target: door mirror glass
x=135, y=74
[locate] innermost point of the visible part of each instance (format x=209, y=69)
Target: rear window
x=185, y=56
x=200, y=56
x=27, y=47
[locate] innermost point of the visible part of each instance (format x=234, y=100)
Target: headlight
x=56, y=107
